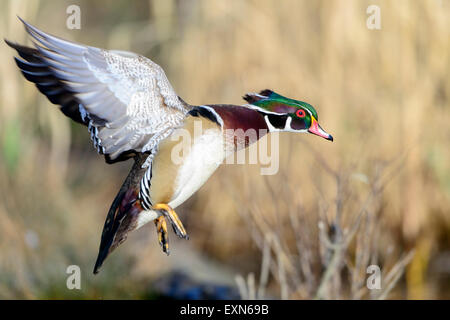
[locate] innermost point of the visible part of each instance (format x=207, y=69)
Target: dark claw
x=178, y=232
x=165, y=247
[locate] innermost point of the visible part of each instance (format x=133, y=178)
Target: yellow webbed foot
x=170, y=214
x=163, y=237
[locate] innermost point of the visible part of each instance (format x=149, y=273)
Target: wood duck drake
x=132, y=111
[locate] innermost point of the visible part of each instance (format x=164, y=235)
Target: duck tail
x=122, y=215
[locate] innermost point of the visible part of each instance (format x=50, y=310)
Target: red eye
x=300, y=113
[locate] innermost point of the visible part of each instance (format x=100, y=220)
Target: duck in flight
x=132, y=112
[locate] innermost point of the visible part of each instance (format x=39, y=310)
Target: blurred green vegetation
x=383, y=94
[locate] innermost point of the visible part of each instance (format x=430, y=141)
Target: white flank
x=206, y=154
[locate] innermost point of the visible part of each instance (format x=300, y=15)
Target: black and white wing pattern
x=125, y=99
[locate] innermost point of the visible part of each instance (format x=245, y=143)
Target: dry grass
x=384, y=95
x=333, y=249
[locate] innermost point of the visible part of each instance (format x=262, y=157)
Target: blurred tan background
x=383, y=95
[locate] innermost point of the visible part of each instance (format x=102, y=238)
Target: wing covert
x=127, y=98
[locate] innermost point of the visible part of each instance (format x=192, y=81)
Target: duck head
x=285, y=114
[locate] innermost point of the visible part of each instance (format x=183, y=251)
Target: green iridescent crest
x=274, y=102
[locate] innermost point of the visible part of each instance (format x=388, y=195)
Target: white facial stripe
x=287, y=125
x=251, y=106
x=257, y=95
x=269, y=125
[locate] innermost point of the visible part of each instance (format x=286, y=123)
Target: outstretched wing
x=125, y=99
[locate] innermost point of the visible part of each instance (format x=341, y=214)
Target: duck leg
x=161, y=225
x=163, y=237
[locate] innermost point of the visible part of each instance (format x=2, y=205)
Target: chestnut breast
x=242, y=126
